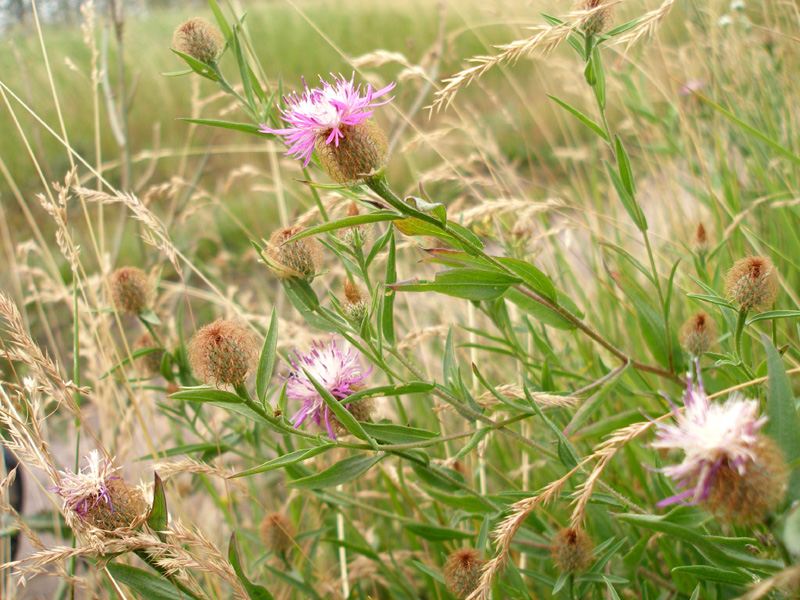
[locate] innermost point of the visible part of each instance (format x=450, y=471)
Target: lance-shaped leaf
x=467, y=283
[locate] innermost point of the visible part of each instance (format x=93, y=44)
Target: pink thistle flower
x=82, y=491
x=325, y=112
x=337, y=371
x=716, y=438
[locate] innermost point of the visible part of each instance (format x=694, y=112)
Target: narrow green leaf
x=715, y=574
x=438, y=534
x=624, y=164
x=540, y=282
x=243, y=127
x=397, y=434
x=773, y=314
x=146, y=584
x=206, y=394
x=582, y=118
x=466, y=283
x=337, y=408
x=287, y=459
x=783, y=425
x=628, y=201
x=266, y=363
x=387, y=314
x=198, y=67
x=256, y=592
x=538, y=311
x=342, y=472
x=158, y=517
x=378, y=216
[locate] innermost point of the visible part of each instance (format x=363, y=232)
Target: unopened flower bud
x=223, y=352
x=359, y=234
x=752, y=283
x=277, y=532
x=199, y=39
x=745, y=493
x=356, y=306
x=301, y=259
x=571, y=550
x=700, y=245
x=149, y=365
x=698, y=334
x=601, y=18
x=462, y=571
x=129, y=290
x=361, y=151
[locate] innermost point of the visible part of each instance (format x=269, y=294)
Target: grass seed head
x=698, y=334
x=462, y=571
x=129, y=290
x=223, y=352
x=199, y=39
x=752, y=283
x=571, y=550
x=301, y=259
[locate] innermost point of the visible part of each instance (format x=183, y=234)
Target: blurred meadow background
x=100, y=170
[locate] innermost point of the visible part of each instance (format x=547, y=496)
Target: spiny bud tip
x=698, y=333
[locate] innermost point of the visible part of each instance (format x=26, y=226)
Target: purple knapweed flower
x=83, y=490
x=715, y=438
x=337, y=371
x=334, y=119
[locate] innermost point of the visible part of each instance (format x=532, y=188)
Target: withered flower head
x=223, y=352
x=752, y=283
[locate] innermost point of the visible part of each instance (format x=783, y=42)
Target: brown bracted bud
x=362, y=411
x=199, y=39
x=277, y=532
x=744, y=494
x=356, y=306
x=698, y=334
x=571, y=550
x=700, y=245
x=462, y=571
x=148, y=365
x=301, y=259
x=358, y=235
x=752, y=283
x=602, y=17
x=127, y=507
x=362, y=150
x=129, y=290
x=223, y=352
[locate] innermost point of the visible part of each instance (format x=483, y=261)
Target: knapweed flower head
x=752, y=283
x=571, y=550
x=338, y=371
x=462, y=571
x=301, y=259
x=223, y=353
x=277, y=532
x=601, y=17
x=356, y=305
x=335, y=120
x=357, y=235
x=199, y=39
x=129, y=290
x=698, y=333
x=97, y=496
x=737, y=472
x=700, y=244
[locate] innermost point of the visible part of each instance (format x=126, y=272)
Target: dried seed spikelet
x=698, y=334
x=356, y=305
x=277, y=532
x=358, y=235
x=129, y=290
x=571, y=550
x=128, y=507
x=223, y=352
x=199, y=39
x=752, y=283
x=746, y=497
x=148, y=365
x=301, y=259
x=362, y=150
x=601, y=19
x=462, y=571
x=362, y=411
x=700, y=245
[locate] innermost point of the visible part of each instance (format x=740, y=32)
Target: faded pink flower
x=324, y=112
x=337, y=371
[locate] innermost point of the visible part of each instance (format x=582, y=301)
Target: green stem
x=740, y=321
